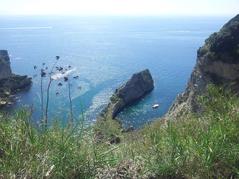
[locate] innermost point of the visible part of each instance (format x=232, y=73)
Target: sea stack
x=133, y=90
x=217, y=63
x=10, y=83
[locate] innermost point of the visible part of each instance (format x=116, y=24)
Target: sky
x=119, y=7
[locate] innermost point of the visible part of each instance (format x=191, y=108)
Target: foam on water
x=60, y=75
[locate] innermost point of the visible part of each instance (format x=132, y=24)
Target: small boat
x=155, y=106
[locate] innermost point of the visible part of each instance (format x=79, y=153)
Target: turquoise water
x=106, y=51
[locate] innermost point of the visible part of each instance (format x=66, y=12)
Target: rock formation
x=10, y=83
x=133, y=90
x=217, y=63
x=5, y=69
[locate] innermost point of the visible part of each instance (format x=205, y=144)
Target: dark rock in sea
x=217, y=63
x=10, y=83
x=133, y=90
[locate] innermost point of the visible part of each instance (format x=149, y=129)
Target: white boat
x=155, y=106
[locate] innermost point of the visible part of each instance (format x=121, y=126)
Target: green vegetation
x=194, y=146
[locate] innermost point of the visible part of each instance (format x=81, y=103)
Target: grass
x=57, y=152
x=193, y=146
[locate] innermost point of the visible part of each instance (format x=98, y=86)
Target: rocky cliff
x=217, y=63
x=133, y=90
x=10, y=83
x=5, y=69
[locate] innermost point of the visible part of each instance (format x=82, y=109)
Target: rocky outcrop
x=217, y=63
x=5, y=69
x=133, y=90
x=10, y=83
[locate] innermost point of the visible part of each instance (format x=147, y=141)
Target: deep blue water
x=106, y=51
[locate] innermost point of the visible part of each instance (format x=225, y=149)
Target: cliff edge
x=217, y=63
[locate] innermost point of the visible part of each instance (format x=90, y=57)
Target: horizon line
x=118, y=15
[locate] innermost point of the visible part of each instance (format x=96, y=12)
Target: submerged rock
x=10, y=83
x=217, y=63
x=133, y=90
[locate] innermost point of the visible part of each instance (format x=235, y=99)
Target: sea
x=104, y=52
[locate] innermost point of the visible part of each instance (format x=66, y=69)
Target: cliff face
x=217, y=63
x=5, y=69
x=10, y=83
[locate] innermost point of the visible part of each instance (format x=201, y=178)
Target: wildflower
x=43, y=73
x=60, y=69
x=65, y=78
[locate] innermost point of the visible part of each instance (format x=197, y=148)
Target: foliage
x=193, y=146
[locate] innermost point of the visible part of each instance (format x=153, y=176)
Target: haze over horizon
x=120, y=7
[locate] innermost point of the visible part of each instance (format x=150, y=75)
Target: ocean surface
x=105, y=52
